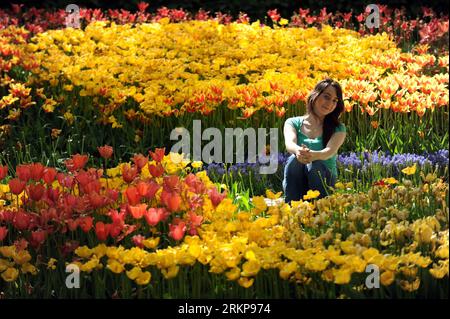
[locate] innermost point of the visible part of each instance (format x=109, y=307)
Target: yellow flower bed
x=198, y=64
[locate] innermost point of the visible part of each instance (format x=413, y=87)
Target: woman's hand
x=304, y=155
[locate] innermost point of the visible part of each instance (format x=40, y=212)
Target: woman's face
x=326, y=102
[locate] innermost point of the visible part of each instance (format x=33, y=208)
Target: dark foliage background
x=256, y=9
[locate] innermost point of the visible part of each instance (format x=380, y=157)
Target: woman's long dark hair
x=331, y=121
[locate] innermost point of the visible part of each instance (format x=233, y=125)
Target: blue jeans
x=299, y=178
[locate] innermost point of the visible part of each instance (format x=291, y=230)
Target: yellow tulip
x=311, y=194
x=410, y=170
x=271, y=195
x=250, y=268
x=115, y=266
x=170, y=272
x=387, y=278
x=10, y=274
x=233, y=274
x=143, y=278
x=246, y=282
x=342, y=276
x=134, y=273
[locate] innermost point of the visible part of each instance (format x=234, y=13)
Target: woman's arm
x=335, y=142
x=290, y=139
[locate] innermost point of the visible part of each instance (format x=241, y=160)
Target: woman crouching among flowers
x=314, y=140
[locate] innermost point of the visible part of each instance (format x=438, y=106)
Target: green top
x=315, y=144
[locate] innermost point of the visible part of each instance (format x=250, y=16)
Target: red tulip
x=102, y=230
x=16, y=186
x=139, y=160
x=133, y=195
x=195, y=220
x=171, y=183
x=137, y=211
x=65, y=180
x=142, y=188
x=72, y=224
x=274, y=15
x=171, y=199
x=158, y=155
x=142, y=6
x=215, y=196
x=3, y=232
x=176, y=231
x=194, y=183
x=83, y=178
x=92, y=187
x=105, y=151
x=138, y=240
x=156, y=170
x=147, y=189
x=96, y=200
x=23, y=172
x=51, y=196
x=153, y=188
x=112, y=194
x=37, y=237
x=174, y=202
x=76, y=162
x=153, y=216
x=7, y=216
x=86, y=223
x=49, y=175
x=116, y=229
x=129, y=173
x=69, y=247
x=3, y=171
x=116, y=217
x=36, y=191
x=37, y=171
x=21, y=220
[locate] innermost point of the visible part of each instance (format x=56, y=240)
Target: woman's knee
x=293, y=169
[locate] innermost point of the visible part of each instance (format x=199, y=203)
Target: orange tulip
x=156, y=170
x=137, y=211
x=129, y=173
x=133, y=195
x=172, y=200
x=139, y=160
x=215, y=196
x=105, y=151
x=158, y=155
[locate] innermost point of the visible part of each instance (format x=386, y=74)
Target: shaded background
x=256, y=9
